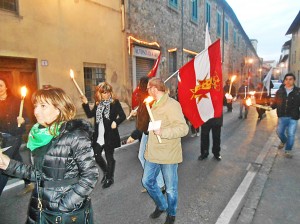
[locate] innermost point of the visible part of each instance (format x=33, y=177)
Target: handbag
x=80, y=216
x=84, y=215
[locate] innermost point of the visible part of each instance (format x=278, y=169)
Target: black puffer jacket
x=67, y=156
x=287, y=106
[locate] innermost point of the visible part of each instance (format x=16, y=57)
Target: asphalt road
x=205, y=187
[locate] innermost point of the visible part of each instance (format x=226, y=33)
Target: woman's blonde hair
x=101, y=88
x=60, y=100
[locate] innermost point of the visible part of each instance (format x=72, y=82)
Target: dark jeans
x=108, y=165
x=260, y=112
x=216, y=136
x=13, y=153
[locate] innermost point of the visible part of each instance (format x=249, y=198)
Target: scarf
x=40, y=136
x=103, y=107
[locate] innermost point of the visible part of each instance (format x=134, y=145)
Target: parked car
x=275, y=88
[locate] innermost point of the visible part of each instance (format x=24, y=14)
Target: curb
x=230, y=213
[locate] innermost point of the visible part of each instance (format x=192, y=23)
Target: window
x=226, y=30
x=10, y=5
x=234, y=37
x=93, y=75
x=194, y=10
x=173, y=4
x=207, y=14
x=172, y=62
x=219, y=20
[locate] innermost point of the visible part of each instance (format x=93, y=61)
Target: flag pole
x=171, y=76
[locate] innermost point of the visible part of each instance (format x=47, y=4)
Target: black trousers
x=108, y=165
x=260, y=112
x=216, y=136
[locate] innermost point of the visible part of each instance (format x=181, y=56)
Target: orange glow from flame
x=148, y=100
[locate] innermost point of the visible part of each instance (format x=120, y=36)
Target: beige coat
x=173, y=127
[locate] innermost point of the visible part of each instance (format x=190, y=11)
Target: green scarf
x=41, y=136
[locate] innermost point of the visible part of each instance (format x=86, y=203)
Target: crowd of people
x=65, y=150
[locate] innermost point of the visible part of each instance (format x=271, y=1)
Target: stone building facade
x=178, y=29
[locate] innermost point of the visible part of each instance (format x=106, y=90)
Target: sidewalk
x=274, y=195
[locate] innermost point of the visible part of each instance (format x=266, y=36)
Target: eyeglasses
x=104, y=92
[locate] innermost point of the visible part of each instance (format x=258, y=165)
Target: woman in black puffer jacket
x=62, y=155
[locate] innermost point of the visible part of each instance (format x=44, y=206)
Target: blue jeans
x=243, y=104
x=169, y=172
x=144, y=140
x=287, y=125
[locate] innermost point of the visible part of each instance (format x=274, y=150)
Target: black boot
x=110, y=174
x=104, y=178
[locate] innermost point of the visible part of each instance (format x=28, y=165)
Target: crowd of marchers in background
x=65, y=150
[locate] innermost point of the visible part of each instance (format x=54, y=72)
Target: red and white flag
x=200, y=91
x=152, y=73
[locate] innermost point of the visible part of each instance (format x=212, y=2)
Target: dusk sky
x=267, y=21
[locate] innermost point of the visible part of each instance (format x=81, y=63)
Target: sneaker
x=281, y=145
x=240, y=117
x=170, y=219
x=193, y=135
x=218, y=158
x=202, y=157
x=288, y=154
x=198, y=134
x=156, y=213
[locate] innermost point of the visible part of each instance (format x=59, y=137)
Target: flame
x=233, y=78
x=248, y=102
x=23, y=91
x=148, y=100
x=71, y=74
x=252, y=93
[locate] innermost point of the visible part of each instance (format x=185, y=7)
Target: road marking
x=236, y=202
x=12, y=185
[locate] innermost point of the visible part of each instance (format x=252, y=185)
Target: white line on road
x=237, y=200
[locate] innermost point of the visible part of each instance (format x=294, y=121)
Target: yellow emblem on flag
x=205, y=85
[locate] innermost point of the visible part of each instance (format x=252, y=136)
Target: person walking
x=243, y=93
x=215, y=125
x=12, y=128
x=64, y=167
x=166, y=155
x=287, y=102
x=108, y=114
x=141, y=132
x=228, y=102
x=261, y=97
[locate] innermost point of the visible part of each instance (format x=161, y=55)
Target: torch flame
x=148, y=100
x=252, y=93
x=233, y=78
x=71, y=74
x=248, y=102
x=23, y=91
